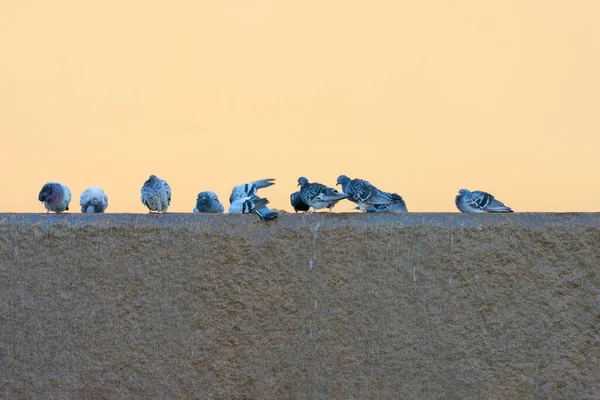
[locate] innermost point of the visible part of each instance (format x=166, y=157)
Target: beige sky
x=419, y=97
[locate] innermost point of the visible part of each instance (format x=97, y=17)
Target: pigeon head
x=462, y=192
x=94, y=206
x=210, y=194
x=44, y=193
x=49, y=192
x=151, y=181
x=342, y=180
x=302, y=181
x=204, y=201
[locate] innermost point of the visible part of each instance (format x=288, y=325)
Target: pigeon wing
x=66, y=196
x=498, y=206
x=479, y=200
x=362, y=191
x=167, y=188
x=262, y=183
x=311, y=192
x=249, y=189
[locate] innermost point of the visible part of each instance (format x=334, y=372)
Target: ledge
x=295, y=221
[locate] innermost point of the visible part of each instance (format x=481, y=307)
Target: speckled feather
x=365, y=194
x=156, y=194
x=317, y=195
x=479, y=202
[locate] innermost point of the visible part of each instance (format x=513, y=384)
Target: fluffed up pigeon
x=156, y=194
x=253, y=205
x=365, y=194
x=208, y=202
x=55, y=196
x=479, y=202
x=249, y=189
x=318, y=196
x=297, y=203
x=93, y=200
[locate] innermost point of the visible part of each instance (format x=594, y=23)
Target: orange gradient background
x=420, y=97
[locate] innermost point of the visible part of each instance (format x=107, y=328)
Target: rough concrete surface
x=341, y=306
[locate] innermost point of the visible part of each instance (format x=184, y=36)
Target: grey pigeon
x=318, y=196
x=297, y=203
x=253, y=205
x=364, y=194
x=208, y=202
x=93, y=200
x=249, y=189
x=55, y=196
x=156, y=194
x=398, y=207
x=479, y=202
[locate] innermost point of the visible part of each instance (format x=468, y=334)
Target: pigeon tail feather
x=266, y=214
x=498, y=206
x=382, y=198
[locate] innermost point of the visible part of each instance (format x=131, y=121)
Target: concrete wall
x=308, y=307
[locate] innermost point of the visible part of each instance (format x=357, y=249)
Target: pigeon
x=253, y=205
x=208, y=202
x=93, y=200
x=364, y=194
x=55, y=196
x=297, y=203
x=479, y=202
x=318, y=196
x=156, y=194
x=397, y=207
x=249, y=189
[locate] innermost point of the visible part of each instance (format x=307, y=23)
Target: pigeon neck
x=345, y=185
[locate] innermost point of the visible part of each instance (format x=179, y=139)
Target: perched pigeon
x=479, y=202
x=364, y=194
x=297, y=203
x=208, y=202
x=55, y=196
x=93, y=200
x=318, y=196
x=253, y=205
x=156, y=194
x=397, y=207
x=249, y=189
